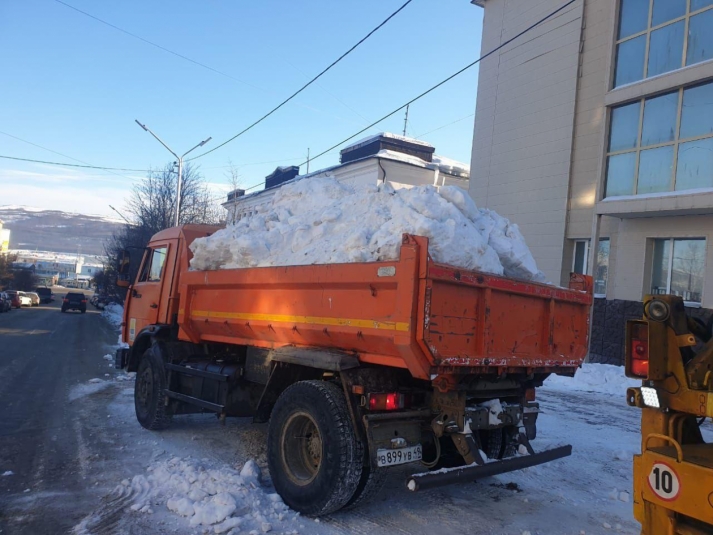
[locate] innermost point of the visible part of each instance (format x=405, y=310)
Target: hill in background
x=56, y=231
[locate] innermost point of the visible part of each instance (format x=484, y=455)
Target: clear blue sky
x=74, y=85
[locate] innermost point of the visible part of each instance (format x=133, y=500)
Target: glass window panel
x=624, y=127
x=633, y=17
x=630, y=61
x=665, y=10
x=687, y=269
x=697, y=112
x=655, y=170
x=660, y=119
x=695, y=164
x=700, y=38
x=157, y=261
x=580, y=253
x=666, y=49
x=620, y=174
x=700, y=4
x=659, y=274
x=602, y=269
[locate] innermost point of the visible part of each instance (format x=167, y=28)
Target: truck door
x=146, y=293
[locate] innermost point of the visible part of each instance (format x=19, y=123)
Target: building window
x=678, y=268
x=580, y=263
x=658, y=36
x=663, y=143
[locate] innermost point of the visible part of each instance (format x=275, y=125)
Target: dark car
x=5, y=302
x=46, y=295
x=14, y=298
x=74, y=301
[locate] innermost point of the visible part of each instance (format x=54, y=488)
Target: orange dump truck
x=357, y=367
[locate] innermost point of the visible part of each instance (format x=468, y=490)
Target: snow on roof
x=369, y=139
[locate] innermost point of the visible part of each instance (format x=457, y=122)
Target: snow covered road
x=586, y=493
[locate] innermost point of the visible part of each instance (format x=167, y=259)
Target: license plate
x=386, y=457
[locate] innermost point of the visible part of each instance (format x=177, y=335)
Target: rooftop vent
x=370, y=146
x=281, y=175
x=235, y=194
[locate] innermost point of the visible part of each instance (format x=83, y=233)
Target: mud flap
x=429, y=480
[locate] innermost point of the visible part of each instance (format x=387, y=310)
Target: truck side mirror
x=123, y=279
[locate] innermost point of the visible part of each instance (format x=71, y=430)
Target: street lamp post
x=180, y=165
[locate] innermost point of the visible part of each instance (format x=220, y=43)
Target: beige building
x=597, y=127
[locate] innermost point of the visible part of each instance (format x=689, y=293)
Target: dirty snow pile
x=601, y=378
x=320, y=220
x=219, y=500
x=114, y=313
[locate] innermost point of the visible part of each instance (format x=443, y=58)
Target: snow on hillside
x=322, y=220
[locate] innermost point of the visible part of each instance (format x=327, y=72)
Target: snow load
x=320, y=220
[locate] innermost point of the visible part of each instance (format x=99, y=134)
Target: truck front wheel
x=149, y=397
x=312, y=451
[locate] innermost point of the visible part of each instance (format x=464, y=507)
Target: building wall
x=522, y=145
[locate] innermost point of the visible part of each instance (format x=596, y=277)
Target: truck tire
x=313, y=454
x=371, y=482
x=149, y=398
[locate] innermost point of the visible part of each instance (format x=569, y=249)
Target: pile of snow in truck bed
x=321, y=221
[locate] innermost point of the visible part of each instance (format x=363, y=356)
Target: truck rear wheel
x=371, y=481
x=314, y=458
x=149, y=398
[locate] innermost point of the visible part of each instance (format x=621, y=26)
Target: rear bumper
x=429, y=480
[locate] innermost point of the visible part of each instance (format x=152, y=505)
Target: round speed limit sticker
x=664, y=481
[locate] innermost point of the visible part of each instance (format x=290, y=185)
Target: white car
x=25, y=300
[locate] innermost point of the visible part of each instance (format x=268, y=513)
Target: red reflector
x=639, y=349
x=530, y=394
x=386, y=402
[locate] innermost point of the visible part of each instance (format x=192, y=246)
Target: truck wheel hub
x=301, y=448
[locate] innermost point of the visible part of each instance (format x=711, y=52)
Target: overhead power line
x=439, y=84
x=156, y=45
x=77, y=165
x=305, y=86
x=445, y=125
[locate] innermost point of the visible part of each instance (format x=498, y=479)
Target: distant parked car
x=5, y=302
x=46, y=295
x=74, y=301
x=34, y=297
x=25, y=299
x=14, y=298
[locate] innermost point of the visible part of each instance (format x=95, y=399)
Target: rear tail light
x=387, y=402
x=84, y=300
x=65, y=300
x=638, y=341
x=530, y=394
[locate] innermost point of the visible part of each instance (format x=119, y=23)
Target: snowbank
x=602, y=378
x=114, y=313
x=218, y=499
x=320, y=220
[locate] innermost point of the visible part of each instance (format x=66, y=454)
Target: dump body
x=435, y=320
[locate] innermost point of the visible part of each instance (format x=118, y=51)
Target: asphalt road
x=43, y=438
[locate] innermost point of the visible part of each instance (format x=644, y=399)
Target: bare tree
x=234, y=181
x=151, y=207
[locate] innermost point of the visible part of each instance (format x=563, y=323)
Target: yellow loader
x=673, y=477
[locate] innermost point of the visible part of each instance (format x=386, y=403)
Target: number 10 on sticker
x=664, y=481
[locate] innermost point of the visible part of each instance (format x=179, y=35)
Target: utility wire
x=77, y=165
x=156, y=45
x=305, y=86
x=445, y=126
x=439, y=84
